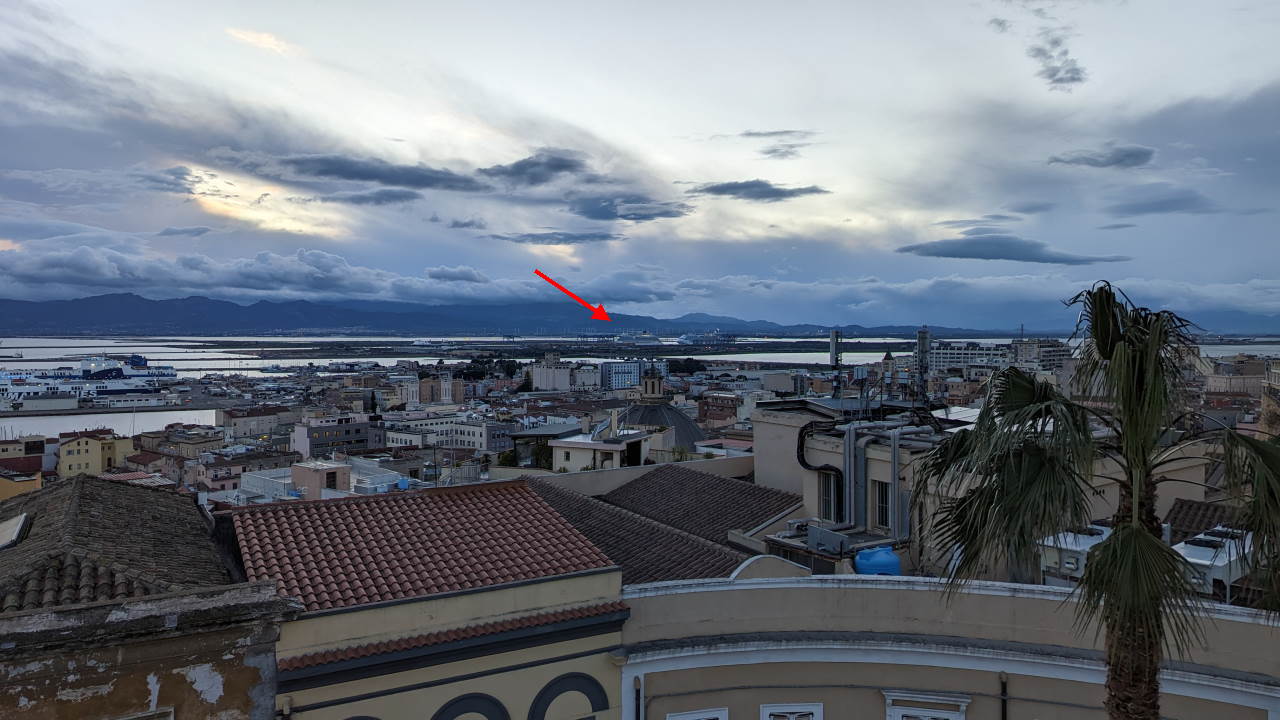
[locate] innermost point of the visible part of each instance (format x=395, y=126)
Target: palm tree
x=1023, y=473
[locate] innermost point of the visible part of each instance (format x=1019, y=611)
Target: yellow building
x=438, y=604
x=91, y=452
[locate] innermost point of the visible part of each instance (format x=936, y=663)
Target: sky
x=968, y=164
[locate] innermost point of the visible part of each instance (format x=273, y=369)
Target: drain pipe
x=899, y=512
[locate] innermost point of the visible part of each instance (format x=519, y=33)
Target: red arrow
x=597, y=312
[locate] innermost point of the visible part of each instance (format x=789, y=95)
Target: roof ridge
x=707, y=544
x=712, y=477
x=445, y=490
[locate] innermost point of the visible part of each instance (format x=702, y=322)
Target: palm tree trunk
x=1133, y=668
x=1133, y=658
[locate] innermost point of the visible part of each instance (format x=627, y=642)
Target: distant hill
x=129, y=314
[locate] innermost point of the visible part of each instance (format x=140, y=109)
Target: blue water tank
x=403, y=483
x=877, y=561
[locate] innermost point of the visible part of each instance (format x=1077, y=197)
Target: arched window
x=571, y=682
x=478, y=703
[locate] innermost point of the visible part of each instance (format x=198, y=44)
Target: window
x=331, y=480
x=791, y=711
x=566, y=454
x=831, y=501
x=924, y=706
x=883, y=491
x=711, y=714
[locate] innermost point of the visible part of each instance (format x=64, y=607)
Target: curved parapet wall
x=862, y=641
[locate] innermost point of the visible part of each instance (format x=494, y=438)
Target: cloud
x=380, y=196
x=1000, y=25
x=195, y=231
x=1057, y=66
x=1116, y=226
x=1112, y=156
x=756, y=190
x=777, y=134
x=382, y=172
x=1003, y=247
x=471, y=224
x=461, y=273
x=262, y=40
x=1031, y=207
x=557, y=238
x=977, y=222
x=627, y=206
x=1161, y=198
x=538, y=169
x=783, y=151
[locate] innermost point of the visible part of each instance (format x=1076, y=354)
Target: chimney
x=613, y=423
x=586, y=424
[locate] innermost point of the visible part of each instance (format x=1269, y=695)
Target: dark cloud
x=1032, y=207
x=977, y=222
x=629, y=206
x=461, y=273
x=777, y=134
x=783, y=151
x=1111, y=156
x=381, y=196
x=471, y=224
x=195, y=231
x=1161, y=198
x=557, y=238
x=984, y=230
x=177, y=179
x=756, y=190
x=1003, y=247
x=1116, y=226
x=435, y=217
x=382, y=172
x=1000, y=25
x=538, y=169
x=1057, y=66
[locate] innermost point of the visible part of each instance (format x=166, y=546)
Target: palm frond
x=1253, y=480
x=1134, y=582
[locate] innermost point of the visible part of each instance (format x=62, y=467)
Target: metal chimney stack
x=835, y=364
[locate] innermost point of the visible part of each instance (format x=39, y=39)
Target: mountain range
x=129, y=314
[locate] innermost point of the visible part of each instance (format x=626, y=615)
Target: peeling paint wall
x=201, y=654
x=229, y=674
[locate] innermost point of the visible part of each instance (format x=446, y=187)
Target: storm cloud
x=469, y=224
x=538, y=169
x=627, y=206
x=460, y=273
x=382, y=172
x=1112, y=156
x=380, y=196
x=1003, y=247
x=756, y=190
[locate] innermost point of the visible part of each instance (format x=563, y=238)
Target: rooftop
x=355, y=551
x=90, y=539
x=645, y=549
x=700, y=503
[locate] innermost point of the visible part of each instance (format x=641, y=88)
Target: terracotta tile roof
x=447, y=636
x=99, y=433
x=647, y=550
x=91, y=540
x=144, y=458
x=1191, y=517
x=706, y=505
x=354, y=551
x=26, y=464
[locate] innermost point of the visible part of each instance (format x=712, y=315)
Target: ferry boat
x=10, y=356
x=711, y=338
x=95, y=376
x=638, y=338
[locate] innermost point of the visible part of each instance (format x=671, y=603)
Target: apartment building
x=91, y=452
x=321, y=436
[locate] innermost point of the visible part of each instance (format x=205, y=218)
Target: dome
x=687, y=431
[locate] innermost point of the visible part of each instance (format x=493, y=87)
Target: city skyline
x=960, y=165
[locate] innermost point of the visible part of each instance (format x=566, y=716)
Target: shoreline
x=108, y=411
